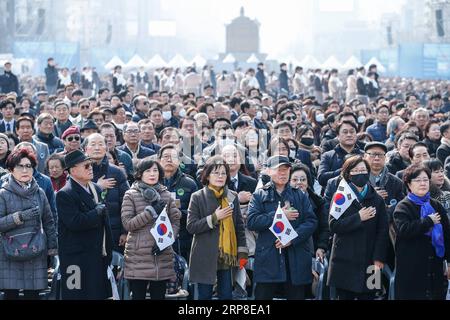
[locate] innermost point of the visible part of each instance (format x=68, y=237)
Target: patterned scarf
x=436, y=234
x=227, y=235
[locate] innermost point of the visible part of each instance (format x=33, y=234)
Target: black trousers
x=350, y=295
x=268, y=291
x=28, y=294
x=138, y=289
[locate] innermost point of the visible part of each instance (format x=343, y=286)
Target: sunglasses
x=87, y=165
x=76, y=138
x=84, y=107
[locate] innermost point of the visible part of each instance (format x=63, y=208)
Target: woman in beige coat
x=142, y=204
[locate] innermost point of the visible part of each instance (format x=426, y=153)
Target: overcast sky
x=278, y=18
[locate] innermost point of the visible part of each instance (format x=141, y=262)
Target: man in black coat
x=84, y=234
x=400, y=159
x=51, y=76
x=388, y=186
x=181, y=186
x=8, y=81
x=332, y=161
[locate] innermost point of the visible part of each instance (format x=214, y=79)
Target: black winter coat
x=419, y=272
x=357, y=244
x=80, y=236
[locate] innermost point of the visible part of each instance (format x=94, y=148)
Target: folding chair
x=55, y=287
x=390, y=275
x=321, y=269
x=122, y=284
x=183, y=292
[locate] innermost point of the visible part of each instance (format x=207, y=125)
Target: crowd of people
x=88, y=163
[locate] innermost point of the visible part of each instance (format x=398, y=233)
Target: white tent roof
x=178, y=61
x=352, y=63
x=135, y=62
x=229, y=59
x=253, y=59
x=272, y=56
x=310, y=62
x=332, y=63
x=199, y=61
x=375, y=61
x=156, y=62
x=115, y=61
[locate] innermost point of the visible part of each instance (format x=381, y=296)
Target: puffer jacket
x=140, y=264
x=30, y=274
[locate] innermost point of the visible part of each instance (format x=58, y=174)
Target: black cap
x=89, y=125
x=277, y=161
x=73, y=158
x=374, y=144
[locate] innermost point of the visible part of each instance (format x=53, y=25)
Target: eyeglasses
x=376, y=155
x=169, y=157
x=76, y=138
x=24, y=167
x=346, y=132
x=84, y=107
x=219, y=174
x=136, y=131
x=290, y=118
x=423, y=180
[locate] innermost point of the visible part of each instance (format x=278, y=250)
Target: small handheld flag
x=282, y=228
x=343, y=198
x=162, y=231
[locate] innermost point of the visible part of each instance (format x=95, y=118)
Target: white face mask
x=182, y=113
x=361, y=119
x=259, y=115
x=320, y=117
x=167, y=115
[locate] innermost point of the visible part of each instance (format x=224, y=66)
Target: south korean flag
x=162, y=231
x=343, y=198
x=282, y=228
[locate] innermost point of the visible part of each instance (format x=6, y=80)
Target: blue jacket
x=378, y=131
x=54, y=144
x=270, y=265
x=45, y=184
x=143, y=151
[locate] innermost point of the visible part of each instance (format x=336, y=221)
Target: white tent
x=272, y=56
x=332, y=63
x=135, y=62
x=115, y=61
x=229, y=59
x=156, y=62
x=310, y=62
x=253, y=59
x=375, y=61
x=199, y=61
x=352, y=63
x=178, y=61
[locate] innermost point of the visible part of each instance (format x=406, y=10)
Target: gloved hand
x=159, y=206
x=151, y=211
x=242, y=263
x=29, y=214
x=156, y=251
x=101, y=209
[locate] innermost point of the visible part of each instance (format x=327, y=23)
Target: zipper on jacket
x=157, y=269
x=20, y=234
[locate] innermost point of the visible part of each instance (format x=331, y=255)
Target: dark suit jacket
x=143, y=151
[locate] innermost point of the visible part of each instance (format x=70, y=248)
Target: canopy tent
x=135, y=62
x=332, y=63
x=156, y=62
x=178, y=61
x=310, y=62
x=293, y=60
x=199, y=61
x=352, y=63
x=253, y=59
x=115, y=61
x=376, y=62
x=229, y=59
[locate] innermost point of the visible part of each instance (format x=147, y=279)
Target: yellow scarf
x=227, y=234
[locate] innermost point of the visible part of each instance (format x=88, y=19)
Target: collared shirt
x=9, y=126
x=235, y=181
